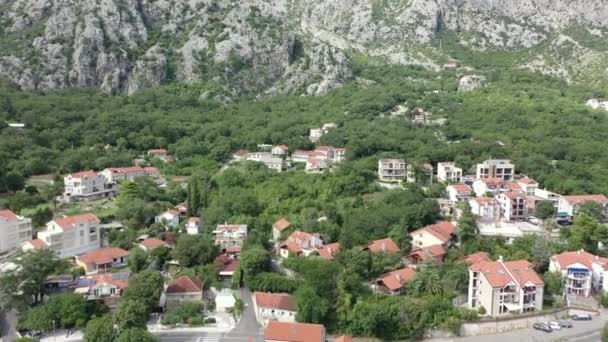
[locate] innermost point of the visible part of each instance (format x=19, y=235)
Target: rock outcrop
x=258, y=46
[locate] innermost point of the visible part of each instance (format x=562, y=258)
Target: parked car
x=554, y=325
x=582, y=317
x=542, y=327
x=565, y=324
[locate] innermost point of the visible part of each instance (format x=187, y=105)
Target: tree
x=554, y=283
x=136, y=335
x=38, y=318
x=33, y=268
x=592, y=209
x=14, y=181
x=467, y=226
x=138, y=259
x=41, y=216
x=541, y=252
x=582, y=234
x=161, y=255
x=194, y=250
x=130, y=314
x=100, y=329
x=605, y=333
x=145, y=287
x=312, y=308
x=254, y=260
x=544, y=210
x=69, y=309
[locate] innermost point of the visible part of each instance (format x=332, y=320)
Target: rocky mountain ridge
x=274, y=46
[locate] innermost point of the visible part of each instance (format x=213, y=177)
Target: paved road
x=8, y=324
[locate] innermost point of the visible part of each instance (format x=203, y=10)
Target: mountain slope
x=271, y=47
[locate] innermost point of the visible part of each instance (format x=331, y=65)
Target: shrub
x=481, y=310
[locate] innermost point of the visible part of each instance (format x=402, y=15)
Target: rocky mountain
x=281, y=46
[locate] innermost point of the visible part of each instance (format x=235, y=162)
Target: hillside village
x=182, y=267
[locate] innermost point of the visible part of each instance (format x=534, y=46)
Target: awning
x=512, y=306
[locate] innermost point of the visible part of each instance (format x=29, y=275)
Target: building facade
x=448, y=172
x=73, y=235
x=279, y=307
x=86, y=186
x=583, y=272
x=513, y=206
x=392, y=170
x=496, y=168
x=230, y=235
x=14, y=230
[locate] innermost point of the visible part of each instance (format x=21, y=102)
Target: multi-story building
x=300, y=243
x=459, y=192
x=193, y=225
x=73, y=235
x=279, y=307
x=505, y=287
x=528, y=185
x=280, y=151
x=87, y=185
x=392, y=170
x=448, y=172
x=486, y=208
x=513, y=205
x=271, y=162
x=117, y=174
x=582, y=272
x=485, y=186
x=339, y=154
x=230, y=235
x=568, y=205
x=496, y=168
x=440, y=233
x=14, y=230
x=316, y=165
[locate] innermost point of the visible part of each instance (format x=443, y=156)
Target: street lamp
x=54, y=335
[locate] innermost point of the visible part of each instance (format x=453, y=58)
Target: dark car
x=582, y=317
x=542, y=327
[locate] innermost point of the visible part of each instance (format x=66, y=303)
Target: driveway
x=247, y=328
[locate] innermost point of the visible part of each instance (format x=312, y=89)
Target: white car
x=554, y=325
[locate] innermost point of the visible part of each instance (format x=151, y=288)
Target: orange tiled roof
x=281, y=301
x=281, y=224
x=396, y=279
x=577, y=199
x=184, y=284
x=70, y=221
x=584, y=258
x=152, y=243
x=443, y=230
x=475, y=258
x=8, y=215
x=103, y=256
x=294, y=332
x=499, y=274
x=461, y=187
x=81, y=174
x=383, y=245
x=329, y=251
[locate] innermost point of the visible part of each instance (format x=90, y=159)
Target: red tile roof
x=513, y=194
x=513, y=186
x=282, y=147
x=69, y=222
x=294, y=332
x=383, y=245
x=185, y=284
x=499, y=274
x=241, y=153
x=37, y=243
x=226, y=263
x=8, y=215
x=566, y=259
x=475, y=258
x=443, y=230
x=281, y=224
x=157, y=150
x=586, y=198
x=281, y=301
x=103, y=256
x=293, y=247
x=526, y=180
x=344, y=338
x=153, y=243
x=461, y=187
x=82, y=174
x=112, y=279
x=129, y=169
x=329, y=251
x=429, y=253
x=396, y=279
x=485, y=200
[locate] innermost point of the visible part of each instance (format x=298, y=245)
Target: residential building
x=486, y=208
x=117, y=174
x=441, y=233
x=474, y=258
x=271, y=162
x=280, y=151
x=300, y=243
x=326, y=151
x=528, y=185
x=279, y=307
x=230, y=235
x=34, y=245
x=316, y=165
x=392, y=170
x=315, y=135
x=582, y=272
x=264, y=147
x=151, y=243
x=339, y=154
x=106, y=288
x=448, y=172
x=513, y=206
x=193, y=225
x=278, y=228
x=496, y=168
x=103, y=260
x=183, y=289
x=294, y=332
x=386, y=245
x=169, y=218
x=87, y=186
x=14, y=230
x=151, y=171
x=227, y=264
x=459, y=192
x=568, y=205
x=485, y=186
x=240, y=155
x=72, y=235
x=158, y=152
x=393, y=282
x=433, y=253
x=300, y=156
x=329, y=251
x=505, y=287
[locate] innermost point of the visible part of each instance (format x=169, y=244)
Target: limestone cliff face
x=260, y=46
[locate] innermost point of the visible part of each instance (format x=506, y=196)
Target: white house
x=230, y=235
x=280, y=151
x=224, y=300
x=392, y=170
x=496, y=168
x=240, y=155
x=441, y=233
x=486, y=208
x=193, y=225
x=299, y=156
x=300, y=243
x=106, y=287
x=484, y=186
x=103, y=260
x=271, y=162
x=117, y=174
x=316, y=165
x=278, y=228
x=582, y=272
x=505, y=287
x=339, y=154
x=151, y=243
x=528, y=185
x=169, y=218
x=14, y=230
x=73, y=235
x=448, y=172
x=87, y=185
x=315, y=134
x=459, y=192
x=326, y=151
x=568, y=205
x=513, y=205
x=274, y=307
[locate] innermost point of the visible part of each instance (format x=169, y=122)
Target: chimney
x=398, y=276
x=500, y=259
x=384, y=246
x=330, y=251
